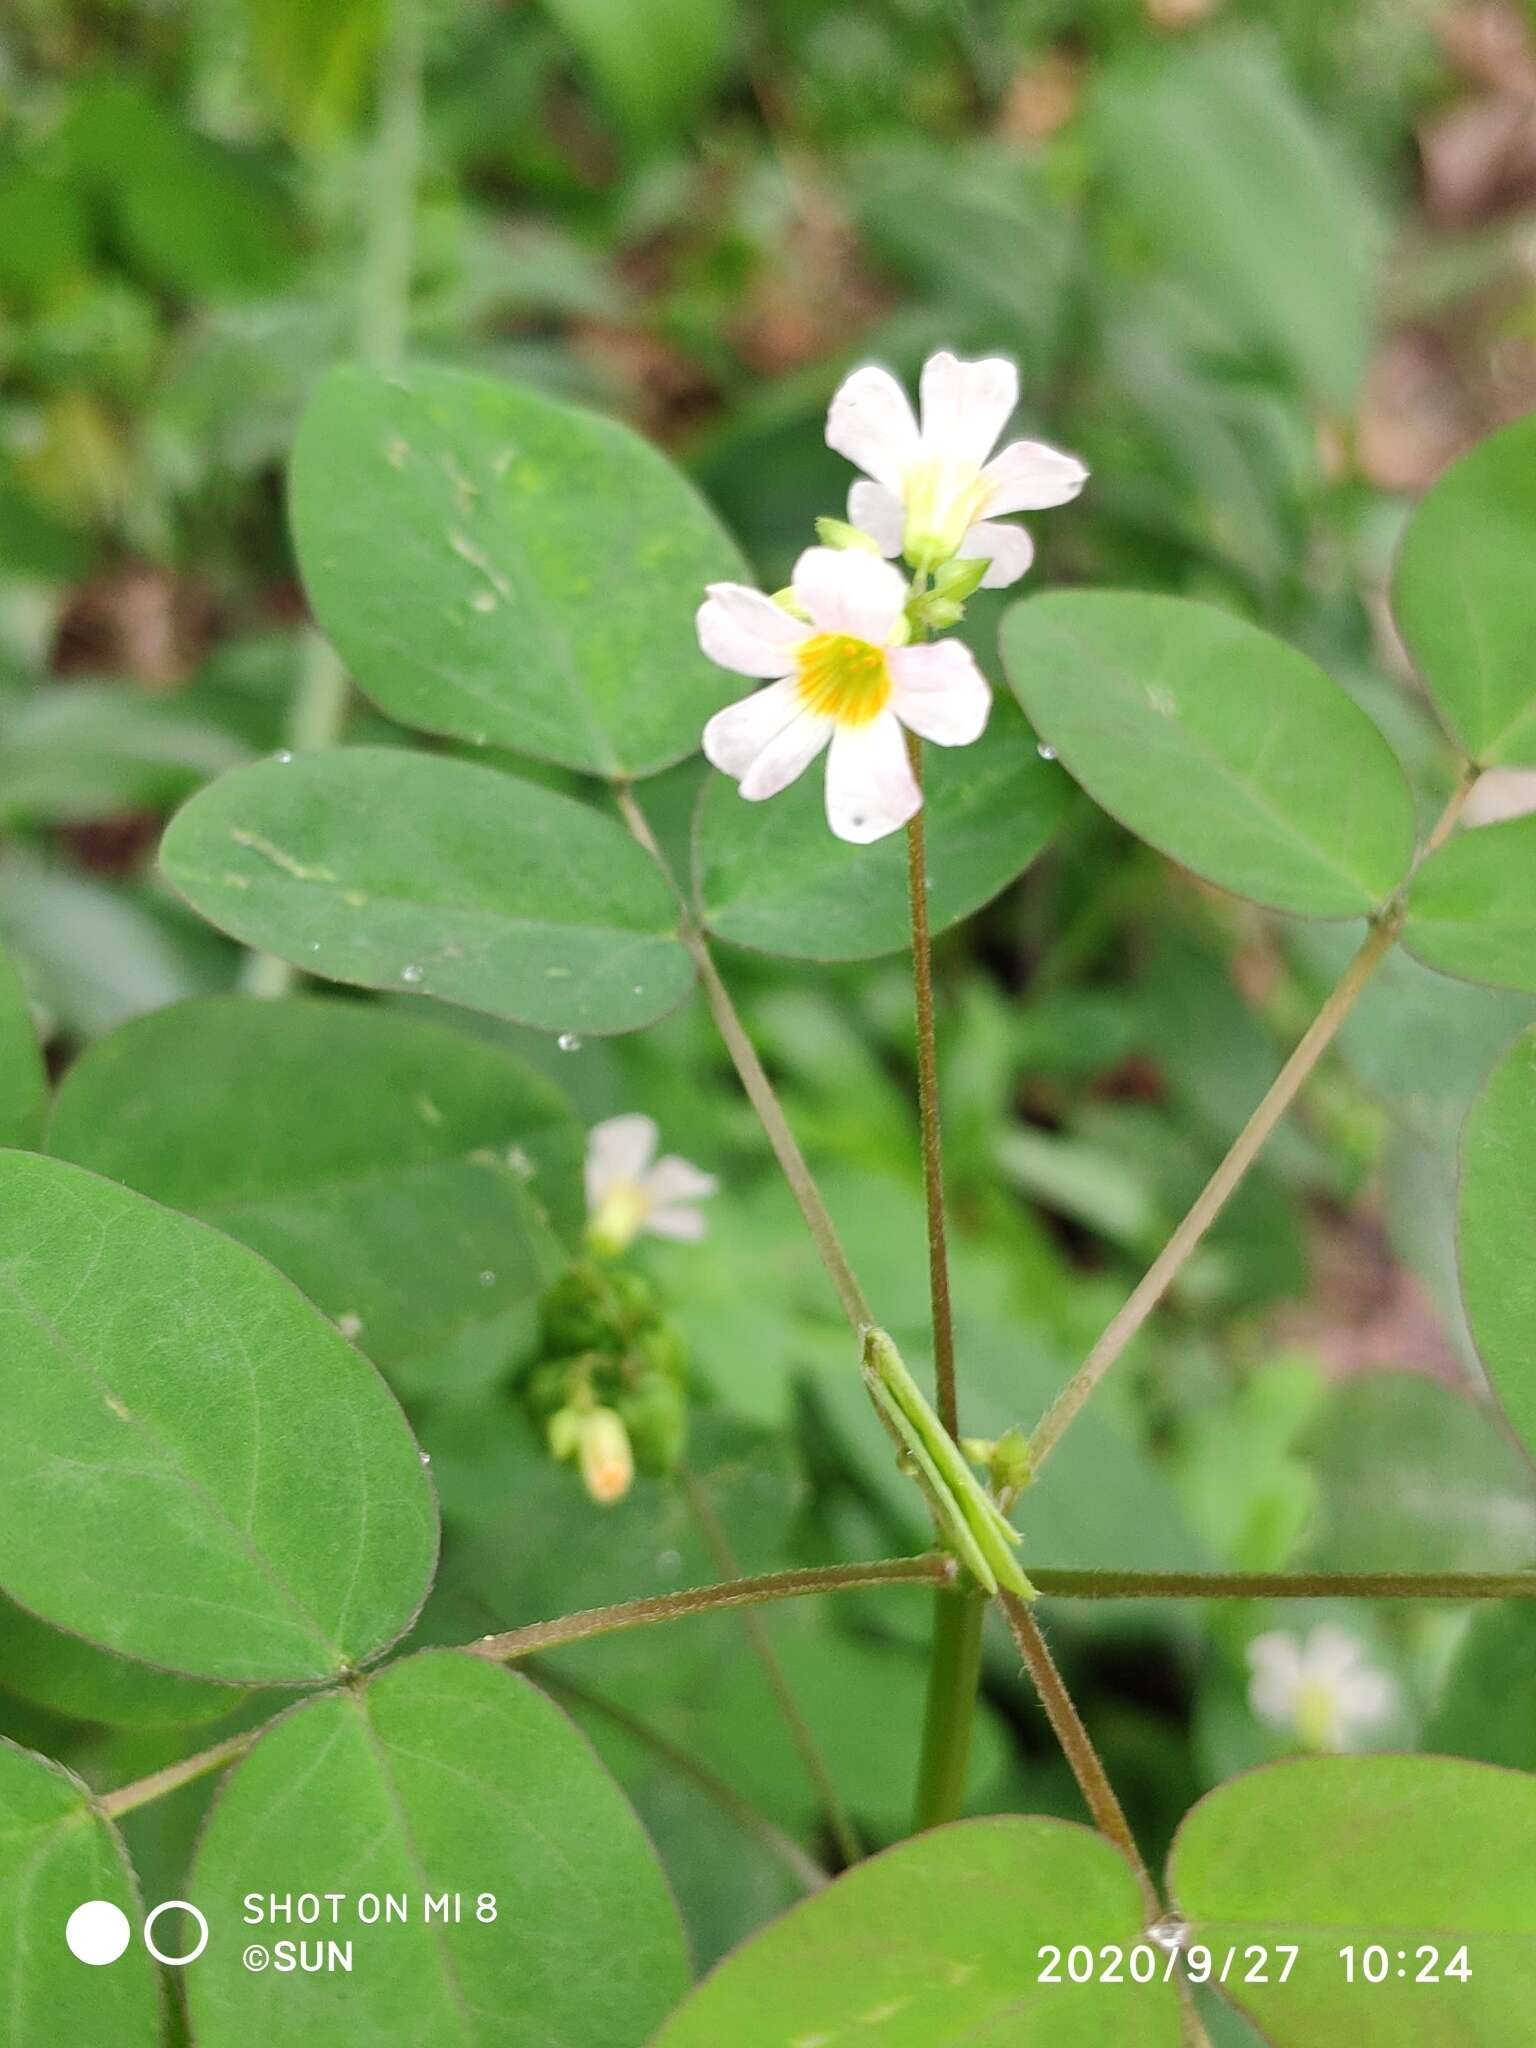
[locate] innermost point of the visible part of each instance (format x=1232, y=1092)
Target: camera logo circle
x=175, y=1906
x=97, y=1932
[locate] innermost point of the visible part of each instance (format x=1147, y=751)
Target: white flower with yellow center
x=841, y=679
x=1320, y=1692
x=930, y=491
x=630, y=1190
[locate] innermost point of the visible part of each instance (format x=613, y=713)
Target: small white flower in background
x=931, y=493
x=839, y=674
x=630, y=1190
x=1320, y=1690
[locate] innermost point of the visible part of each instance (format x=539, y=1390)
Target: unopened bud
x=656, y=1416
x=961, y=578
x=941, y=612
x=606, y=1459
x=563, y=1434
x=837, y=533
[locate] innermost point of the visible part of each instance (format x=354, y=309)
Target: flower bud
x=941, y=612
x=563, y=1434
x=961, y=578
x=656, y=1416
x=837, y=533
x=606, y=1459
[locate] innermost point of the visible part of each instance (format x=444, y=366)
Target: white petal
x=786, y=756
x=1275, y=1661
x=735, y=737
x=618, y=1151
x=1030, y=477
x=678, y=1180
x=1008, y=551
x=687, y=1226
x=1367, y=1697
x=940, y=692
x=871, y=789
x=1331, y=1654
x=870, y=421
x=847, y=591
x=966, y=406
x=746, y=631
x=879, y=513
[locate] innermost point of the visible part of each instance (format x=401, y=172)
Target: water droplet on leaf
x=1046, y=753
x=410, y=974
x=568, y=1042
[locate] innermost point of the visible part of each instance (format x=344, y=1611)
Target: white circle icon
x=97, y=1932
x=175, y=1906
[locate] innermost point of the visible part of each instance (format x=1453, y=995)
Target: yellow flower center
x=1315, y=1713
x=843, y=678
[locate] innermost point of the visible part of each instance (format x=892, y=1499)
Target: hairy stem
x=839, y=1821
x=945, y=1401
x=658, y=1607
x=805, y=1871
x=1223, y=1183
x=954, y=1673
x=1096, y=1585
x=156, y=1786
x=755, y=1082
x=1077, y=1745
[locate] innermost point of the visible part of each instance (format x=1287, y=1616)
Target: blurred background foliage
x=1267, y=268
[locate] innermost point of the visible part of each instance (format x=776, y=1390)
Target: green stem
x=849, y=1848
x=954, y=1673
x=318, y=714
x=658, y=1607
x=1249, y=1142
x=755, y=1081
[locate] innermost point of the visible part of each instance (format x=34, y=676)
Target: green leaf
x=56, y=1853
x=505, y=569
x=1461, y=596
x=1487, y=1709
x=1472, y=906
x=772, y=876
x=314, y=63
x=410, y=1177
x=89, y=751
x=652, y=64
x=936, y=1943
x=441, y=1775
x=1238, y=192
x=1413, y=1477
x=23, y=1083
x=1391, y=1850
x=1217, y=744
x=1497, y=1231
x=405, y=871
x=72, y=1677
x=198, y=1470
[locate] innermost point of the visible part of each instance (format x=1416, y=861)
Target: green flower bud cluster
x=610, y=1379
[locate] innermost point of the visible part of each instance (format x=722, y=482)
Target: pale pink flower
x=936, y=491
x=630, y=1190
x=1321, y=1691
x=841, y=679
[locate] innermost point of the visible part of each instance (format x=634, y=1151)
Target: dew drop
x=410, y=974
x=1170, y=1933
x=282, y=755
x=669, y=1563
x=426, y=1457
x=487, y=1278
x=1046, y=753
x=568, y=1042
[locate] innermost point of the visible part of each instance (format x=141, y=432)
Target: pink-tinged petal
x=1030, y=477
x=785, y=757
x=1331, y=1654
x=940, y=692
x=1007, y=551
x=871, y=789
x=743, y=630
x=879, y=513
x=618, y=1153
x=870, y=421
x=966, y=406
x=735, y=737
x=683, y=1226
x=847, y=591
x=678, y=1180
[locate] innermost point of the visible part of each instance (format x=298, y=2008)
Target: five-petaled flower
x=838, y=674
x=1320, y=1692
x=930, y=492
x=630, y=1190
